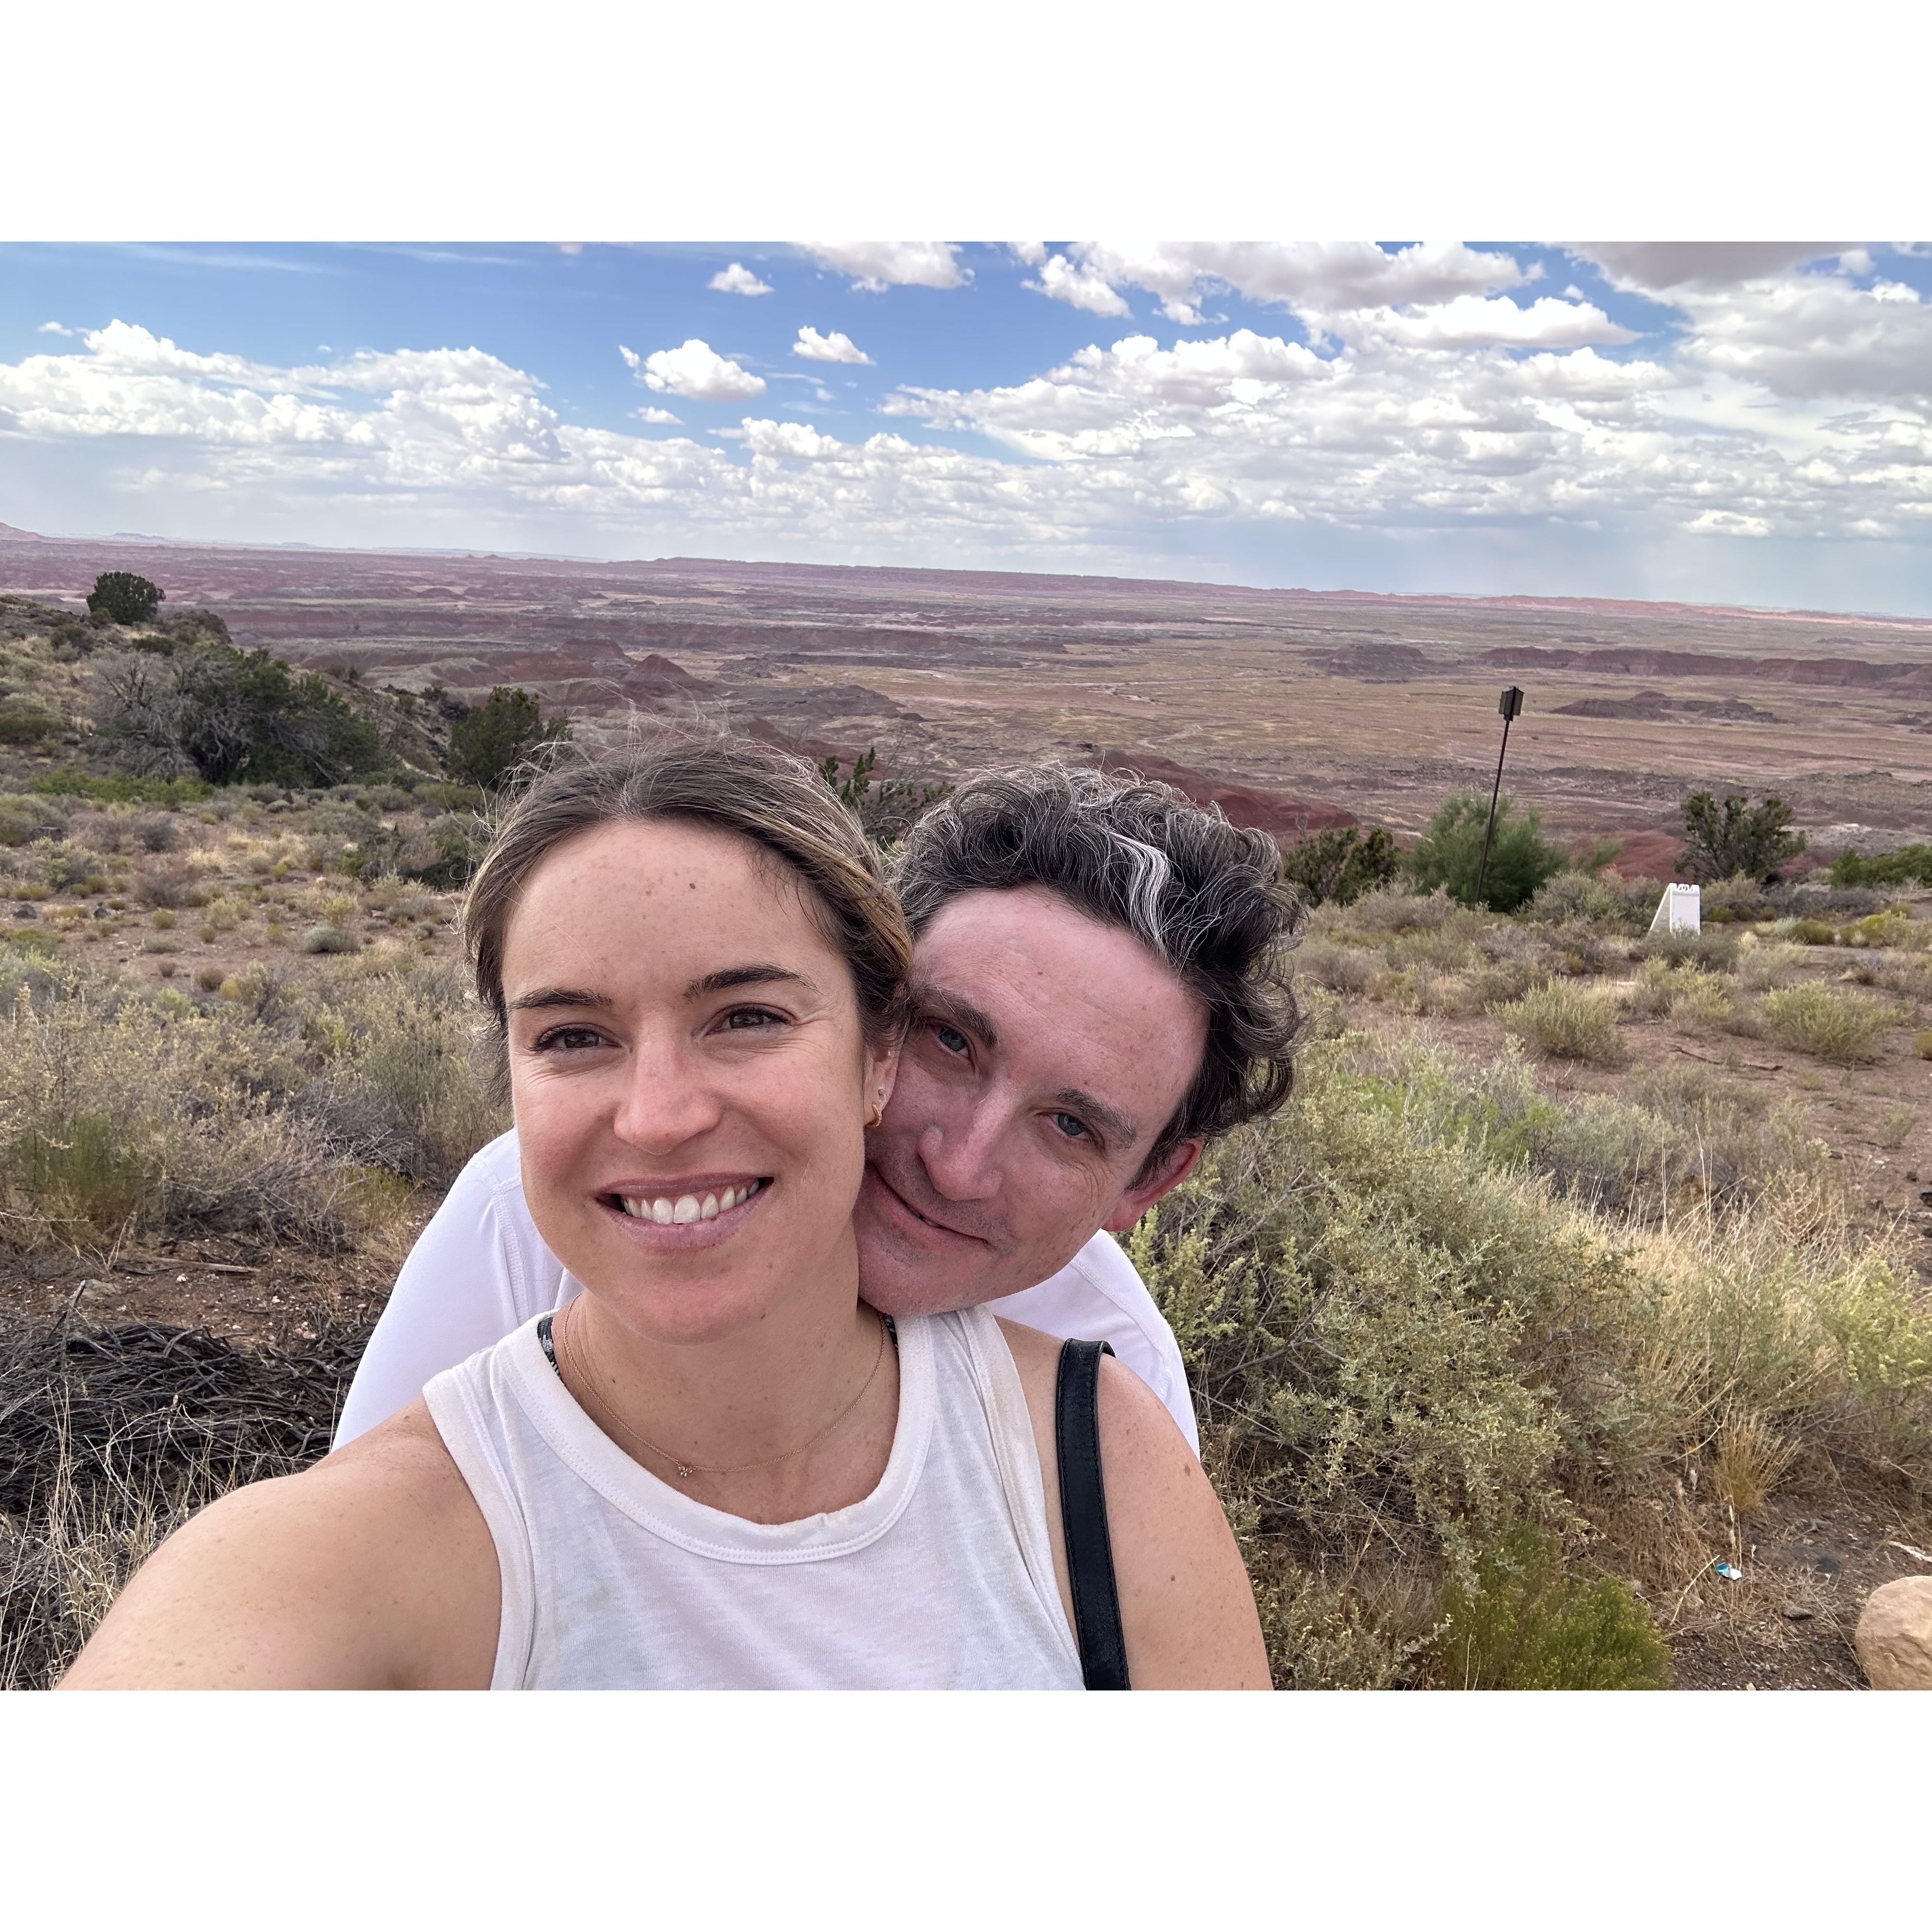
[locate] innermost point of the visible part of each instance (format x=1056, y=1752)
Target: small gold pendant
x=683, y=1471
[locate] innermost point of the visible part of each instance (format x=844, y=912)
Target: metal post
x=1510, y=706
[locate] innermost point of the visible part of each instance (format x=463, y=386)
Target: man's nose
x=666, y=1100
x=962, y=1156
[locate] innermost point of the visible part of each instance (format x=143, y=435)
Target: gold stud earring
x=878, y=1110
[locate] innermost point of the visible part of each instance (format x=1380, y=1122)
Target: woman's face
x=689, y=1076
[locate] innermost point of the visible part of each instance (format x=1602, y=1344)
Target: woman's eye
x=1071, y=1125
x=568, y=1039
x=741, y=1019
x=951, y=1039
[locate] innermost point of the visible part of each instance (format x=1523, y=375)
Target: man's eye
x=1071, y=1125
x=952, y=1039
x=568, y=1039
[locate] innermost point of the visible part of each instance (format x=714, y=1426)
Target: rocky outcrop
x=1894, y=1639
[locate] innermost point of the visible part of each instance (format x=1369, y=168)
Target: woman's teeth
x=667, y=1212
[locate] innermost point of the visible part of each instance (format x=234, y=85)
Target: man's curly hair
x=1204, y=896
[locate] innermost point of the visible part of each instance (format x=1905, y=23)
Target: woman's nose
x=666, y=1101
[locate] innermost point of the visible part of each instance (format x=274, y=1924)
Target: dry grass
x=1845, y=1028
x=289, y=1111
x=1566, y=1022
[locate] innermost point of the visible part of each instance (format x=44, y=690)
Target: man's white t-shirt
x=480, y=1270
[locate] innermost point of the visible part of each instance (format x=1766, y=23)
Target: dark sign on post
x=1509, y=705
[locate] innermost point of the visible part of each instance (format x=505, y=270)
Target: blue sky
x=1749, y=423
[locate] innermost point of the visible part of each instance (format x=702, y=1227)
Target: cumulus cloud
x=1814, y=336
x=1318, y=276
x=650, y=413
x=55, y=328
x=1061, y=280
x=1791, y=408
x=877, y=265
x=738, y=279
x=696, y=369
x=1660, y=267
x=1468, y=320
x=836, y=347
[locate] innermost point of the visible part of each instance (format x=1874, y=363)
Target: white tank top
x=941, y=1579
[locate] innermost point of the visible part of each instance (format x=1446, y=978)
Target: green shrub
x=1910, y=864
x=1736, y=837
x=1813, y=932
x=236, y=717
x=122, y=598
x=1892, y=927
x=1843, y=1028
x=329, y=939
x=1717, y=948
x=1524, y=1623
x=1566, y=1022
x=121, y=788
x=1449, y=854
x=84, y=1179
x=1624, y=905
x=492, y=740
x=1340, y=864
x=26, y=727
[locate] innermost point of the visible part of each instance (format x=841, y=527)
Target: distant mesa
x=1660, y=704
x=1639, y=704
x=1631, y=661
x=1377, y=661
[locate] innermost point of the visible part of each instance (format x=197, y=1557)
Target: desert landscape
x=1294, y=708
x=1658, y=1198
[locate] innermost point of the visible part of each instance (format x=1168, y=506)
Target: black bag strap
x=1083, y=1517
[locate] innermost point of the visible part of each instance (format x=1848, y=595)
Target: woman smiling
x=715, y=1466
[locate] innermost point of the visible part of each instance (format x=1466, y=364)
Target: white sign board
x=1681, y=910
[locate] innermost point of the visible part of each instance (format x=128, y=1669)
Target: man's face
x=1047, y=1053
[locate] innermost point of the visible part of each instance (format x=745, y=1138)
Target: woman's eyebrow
x=728, y=977
x=559, y=996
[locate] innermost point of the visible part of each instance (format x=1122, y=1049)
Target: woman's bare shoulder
x=1187, y=1609
x=373, y=1569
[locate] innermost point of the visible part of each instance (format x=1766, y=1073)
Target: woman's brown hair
x=779, y=803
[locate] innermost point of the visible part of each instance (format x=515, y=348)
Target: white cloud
x=1811, y=336
x=696, y=369
x=874, y=265
x=55, y=328
x=1028, y=254
x=1318, y=276
x=836, y=347
x=1727, y=524
x=1791, y=408
x=1059, y=279
x=764, y=438
x=738, y=279
x=1472, y=319
x=1660, y=267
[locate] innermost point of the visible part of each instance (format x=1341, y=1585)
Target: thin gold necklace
x=687, y=1470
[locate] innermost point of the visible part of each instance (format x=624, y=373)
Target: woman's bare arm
x=1187, y=1609
x=373, y=1570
